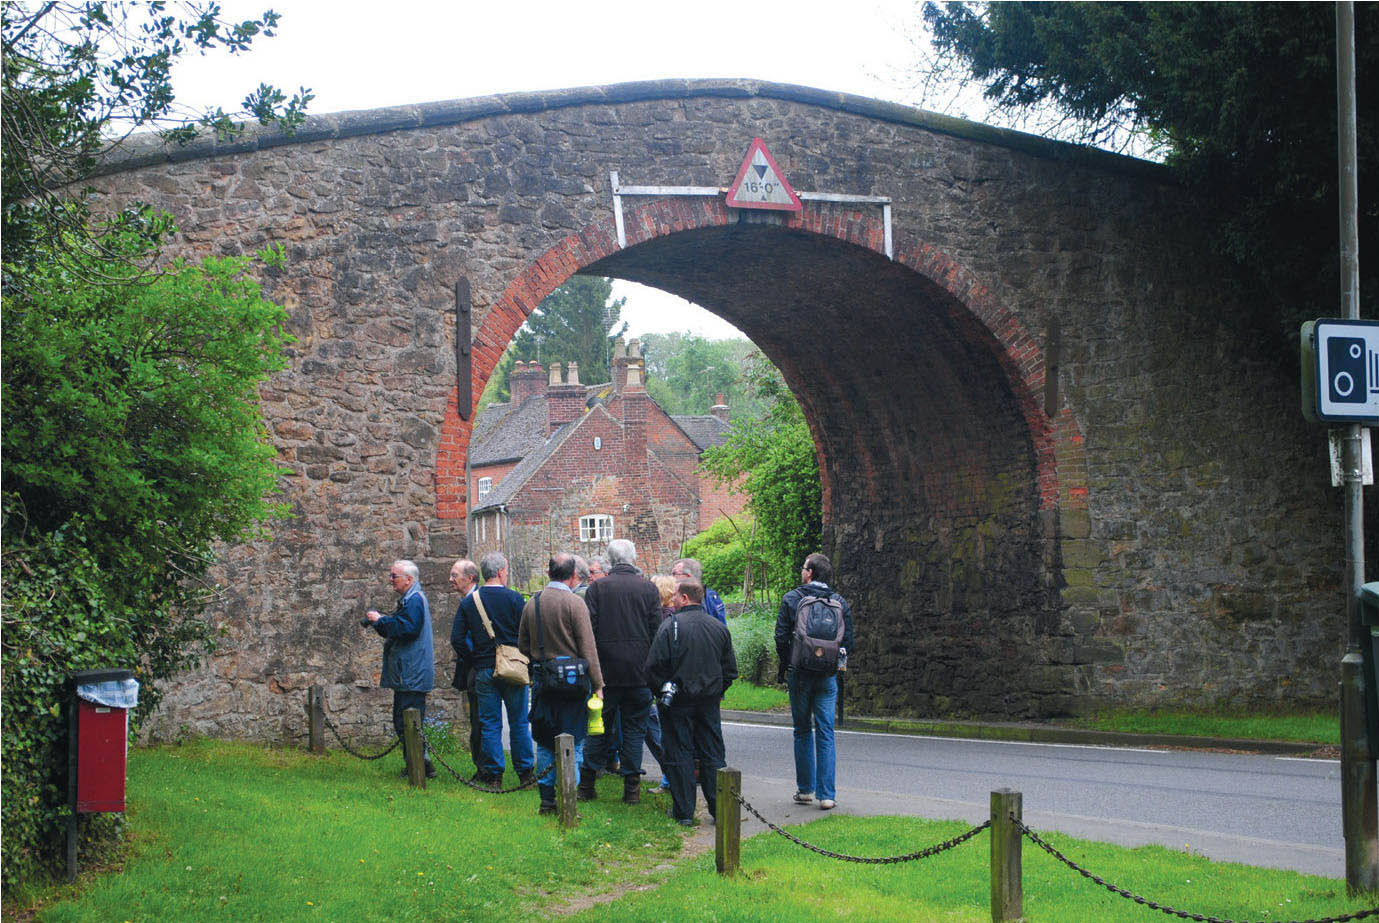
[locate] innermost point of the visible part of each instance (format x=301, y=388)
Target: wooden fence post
x=566, y=810
x=1007, y=890
x=316, y=719
x=411, y=745
x=728, y=822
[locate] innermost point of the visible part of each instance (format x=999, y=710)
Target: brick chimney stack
x=720, y=408
x=618, y=369
x=527, y=380
x=564, y=402
x=637, y=486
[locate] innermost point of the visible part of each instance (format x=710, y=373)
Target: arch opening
x=940, y=482
x=930, y=468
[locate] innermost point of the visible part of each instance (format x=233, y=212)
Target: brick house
x=569, y=466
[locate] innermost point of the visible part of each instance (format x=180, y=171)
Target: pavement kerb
x=1036, y=733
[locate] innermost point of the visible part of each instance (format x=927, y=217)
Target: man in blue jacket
x=689, y=568
x=409, y=665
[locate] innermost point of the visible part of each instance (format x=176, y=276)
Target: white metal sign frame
x=620, y=190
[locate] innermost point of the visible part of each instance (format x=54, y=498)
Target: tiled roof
x=504, y=434
x=513, y=481
x=706, y=431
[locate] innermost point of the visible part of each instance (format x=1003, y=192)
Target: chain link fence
x=1155, y=905
x=348, y=748
x=524, y=782
x=869, y=860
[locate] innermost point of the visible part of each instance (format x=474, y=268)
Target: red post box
x=104, y=698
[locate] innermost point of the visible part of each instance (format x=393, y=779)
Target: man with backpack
x=813, y=634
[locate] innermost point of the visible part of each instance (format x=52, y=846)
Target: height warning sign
x=760, y=183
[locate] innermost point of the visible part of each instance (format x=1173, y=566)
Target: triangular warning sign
x=760, y=183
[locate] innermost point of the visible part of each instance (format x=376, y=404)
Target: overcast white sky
x=365, y=55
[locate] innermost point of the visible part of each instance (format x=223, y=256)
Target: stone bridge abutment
x=1059, y=470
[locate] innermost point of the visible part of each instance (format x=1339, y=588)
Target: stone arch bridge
x=1061, y=466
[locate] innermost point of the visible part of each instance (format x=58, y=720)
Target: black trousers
x=628, y=708
x=403, y=700
x=692, y=730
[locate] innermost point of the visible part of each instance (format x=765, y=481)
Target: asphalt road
x=1261, y=810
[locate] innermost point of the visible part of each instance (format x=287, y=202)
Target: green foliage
x=1241, y=95
x=754, y=642
x=78, y=78
x=723, y=551
x=496, y=391
x=686, y=373
x=777, y=457
x=133, y=442
x=577, y=322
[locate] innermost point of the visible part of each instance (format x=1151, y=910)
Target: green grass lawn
x=1321, y=728
x=1315, y=727
x=226, y=831
x=744, y=696
x=781, y=882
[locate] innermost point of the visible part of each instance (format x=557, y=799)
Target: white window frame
x=485, y=487
x=596, y=527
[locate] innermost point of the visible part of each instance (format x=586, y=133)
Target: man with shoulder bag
x=487, y=624
x=813, y=634
x=555, y=634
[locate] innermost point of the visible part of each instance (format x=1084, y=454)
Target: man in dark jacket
x=409, y=666
x=481, y=631
x=464, y=578
x=813, y=694
x=694, y=652
x=624, y=609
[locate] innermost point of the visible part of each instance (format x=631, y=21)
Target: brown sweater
x=565, y=631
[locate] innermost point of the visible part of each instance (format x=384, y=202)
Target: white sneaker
x=804, y=797
x=826, y=804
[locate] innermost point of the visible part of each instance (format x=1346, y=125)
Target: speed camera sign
x=1341, y=377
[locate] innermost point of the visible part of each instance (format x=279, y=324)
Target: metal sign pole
x=1359, y=817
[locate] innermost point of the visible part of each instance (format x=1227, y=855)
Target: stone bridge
x=1061, y=466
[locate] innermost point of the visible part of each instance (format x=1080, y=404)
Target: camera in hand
x=667, y=694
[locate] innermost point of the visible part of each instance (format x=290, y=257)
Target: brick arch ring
x=1060, y=466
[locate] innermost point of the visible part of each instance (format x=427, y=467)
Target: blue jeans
x=494, y=697
x=814, y=697
x=545, y=762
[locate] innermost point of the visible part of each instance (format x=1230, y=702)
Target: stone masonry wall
x=1145, y=519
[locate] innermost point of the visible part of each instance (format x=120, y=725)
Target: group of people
x=656, y=652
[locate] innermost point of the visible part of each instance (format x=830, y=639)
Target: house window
x=485, y=485
x=595, y=528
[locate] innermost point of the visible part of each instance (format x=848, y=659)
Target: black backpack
x=819, y=629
